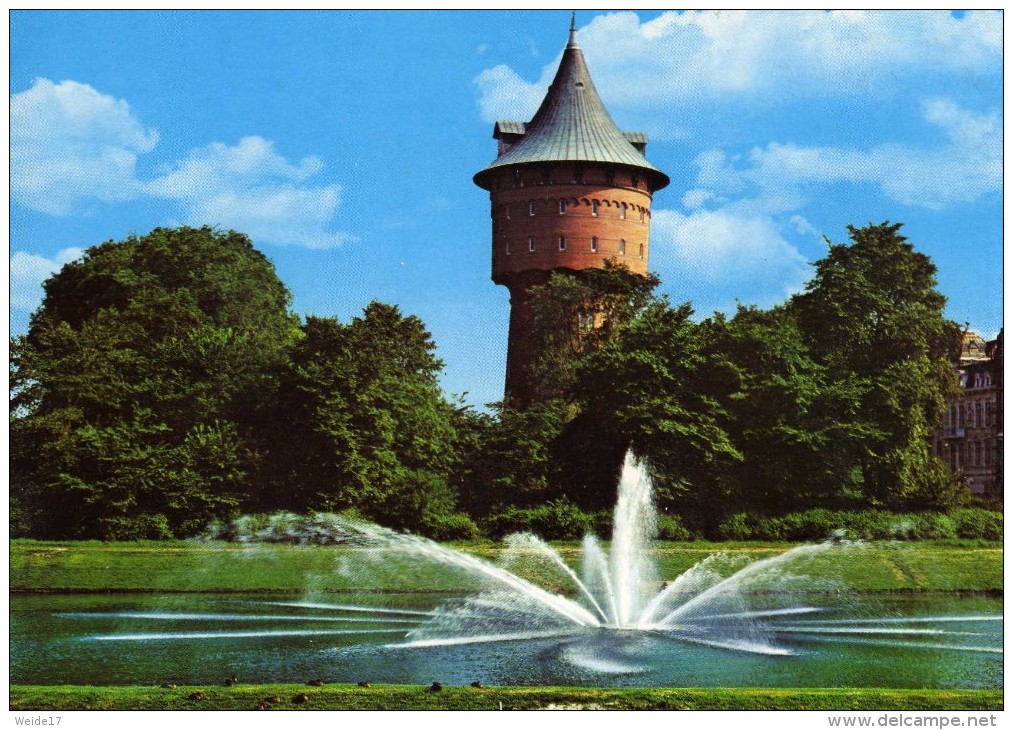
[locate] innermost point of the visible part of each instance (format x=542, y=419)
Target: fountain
x=724, y=621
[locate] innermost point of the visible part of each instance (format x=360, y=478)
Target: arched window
x=531, y=209
x=508, y=248
x=594, y=207
x=641, y=250
x=562, y=207
x=622, y=211
x=641, y=215
x=594, y=244
x=531, y=245
x=562, y=243
x=622, y=247
x=508, y=212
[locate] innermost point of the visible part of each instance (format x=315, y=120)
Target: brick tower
x=569, y=191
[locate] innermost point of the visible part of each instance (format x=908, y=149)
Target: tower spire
x=573, y=30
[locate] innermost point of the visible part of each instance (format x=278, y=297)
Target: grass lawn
x=415, y=697
x=182, y=566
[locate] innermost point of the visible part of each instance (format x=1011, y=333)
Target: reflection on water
x=945, y=642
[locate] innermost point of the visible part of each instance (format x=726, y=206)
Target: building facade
x=970, y=440
x=569, y=190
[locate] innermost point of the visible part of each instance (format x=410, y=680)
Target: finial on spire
x=573, y=30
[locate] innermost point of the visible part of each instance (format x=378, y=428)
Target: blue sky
x=344, y=144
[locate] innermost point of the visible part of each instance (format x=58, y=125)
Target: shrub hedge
x=820, y=524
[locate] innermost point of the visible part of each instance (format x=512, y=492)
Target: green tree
x=653, y=388
x=509, y=461
x=576, y=314
x=135, y=394
x=361, y=422
x=872, y=316
x=797, y=428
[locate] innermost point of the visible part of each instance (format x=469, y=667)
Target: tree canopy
x=164, y=383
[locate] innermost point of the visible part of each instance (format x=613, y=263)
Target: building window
x=562, y=243
x=594, y=207
x=531, y=245
x=508, y=212
x=508, y=248
x=622, y=248
x=610, y=176
x=531, y=209
x=641, y=215
x=641, y=250
x=562, y=207
x=594, y=244
x=635, y=181
x=518, y=180
x=622, y=211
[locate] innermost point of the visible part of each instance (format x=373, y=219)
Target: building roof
x=572, y=124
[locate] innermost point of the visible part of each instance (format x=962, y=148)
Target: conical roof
x=572, y=124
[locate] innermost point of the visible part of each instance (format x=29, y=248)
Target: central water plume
x=717, y=602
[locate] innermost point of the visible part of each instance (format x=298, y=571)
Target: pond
x=896, y=641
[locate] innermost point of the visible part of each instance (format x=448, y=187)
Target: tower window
x=622, y=211
x=508, y=212
x=562, y=243
x=594, y=207
x=508, y=248
x=610, y=176
x=531, y=209
x=641, y=250
x=622, y=248
x=635, y=181
x=641, y=215
x=594, y=244
x=531, y=245
x=562, y=207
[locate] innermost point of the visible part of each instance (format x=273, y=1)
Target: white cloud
x=27, y=273
x=71, y=144
x=776, y=54
x=252, y=188
x=965, y=169
x=709, y=252
x=505, y=95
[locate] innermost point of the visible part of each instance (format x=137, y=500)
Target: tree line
x=164, y=383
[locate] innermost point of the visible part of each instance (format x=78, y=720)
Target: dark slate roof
x=572, y=124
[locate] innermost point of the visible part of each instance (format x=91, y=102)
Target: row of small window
x=977, y=453
x=564, y=207
x=977, y=380
x=577, y=177
x=981, y=416
x=533, y=245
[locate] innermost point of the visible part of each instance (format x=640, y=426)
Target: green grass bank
x=416, y=697
x=71, y=567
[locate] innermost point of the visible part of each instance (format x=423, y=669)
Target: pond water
x=897, y=641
